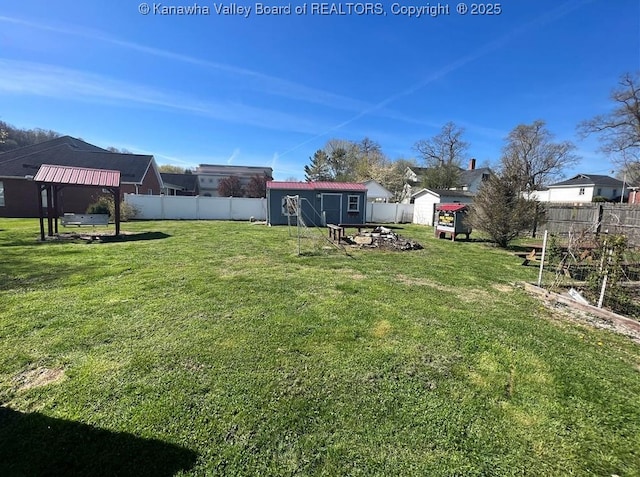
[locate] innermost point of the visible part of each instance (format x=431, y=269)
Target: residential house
x=584, y=188
x=320, y=203
x=18, y=194
x=210, y=175
x=376, y=192
x=469, y=179
x=180, y=184
x=426, y=201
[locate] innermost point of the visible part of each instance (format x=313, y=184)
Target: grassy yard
x=212, y=348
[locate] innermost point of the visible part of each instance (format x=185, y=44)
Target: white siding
x=423, y=209
x=571, y=194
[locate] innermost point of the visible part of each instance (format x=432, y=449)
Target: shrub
x=106, y=205
x=101, y=206
x=500, y=210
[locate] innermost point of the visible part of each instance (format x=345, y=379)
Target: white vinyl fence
x=164, y=207
x=381, y=213
x=168, y=207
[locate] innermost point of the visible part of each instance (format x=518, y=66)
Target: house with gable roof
x=469, y=180
x=19, y=194
x=583, y=188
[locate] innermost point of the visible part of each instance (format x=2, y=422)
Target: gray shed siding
x=316, y=205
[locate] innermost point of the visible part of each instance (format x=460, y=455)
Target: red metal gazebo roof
x=80, y=176
x=451, y=207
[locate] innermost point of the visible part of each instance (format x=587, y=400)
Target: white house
x=210, y=175
x=583, y=188
x=376, y=192
x=425, y=202
x=469, y=179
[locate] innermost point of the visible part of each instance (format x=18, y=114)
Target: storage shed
x=321, y=203
x=426, y=200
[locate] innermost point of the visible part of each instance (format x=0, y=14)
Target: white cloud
x=26, y=78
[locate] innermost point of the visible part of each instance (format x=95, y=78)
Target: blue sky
x=269, y=90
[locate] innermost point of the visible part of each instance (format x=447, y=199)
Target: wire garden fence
x=601, y=269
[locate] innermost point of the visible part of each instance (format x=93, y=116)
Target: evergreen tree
x=319, y=169
x=500, y=210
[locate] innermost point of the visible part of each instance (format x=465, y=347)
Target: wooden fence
x=595, y=218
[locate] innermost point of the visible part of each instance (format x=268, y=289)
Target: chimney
x=472, y=164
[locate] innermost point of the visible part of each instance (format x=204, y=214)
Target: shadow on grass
x=37, y=445
x=85, y=237
x=133, y=237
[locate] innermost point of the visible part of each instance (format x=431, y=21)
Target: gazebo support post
x=49, y=211
x=115, y=191
x=41, y=211
x=56, y=211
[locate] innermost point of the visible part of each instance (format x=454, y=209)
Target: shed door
x=332, y=208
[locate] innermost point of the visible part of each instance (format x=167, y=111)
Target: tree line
x=531, y=159
x=12, y=137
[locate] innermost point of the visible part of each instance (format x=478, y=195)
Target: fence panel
x=162, y=207
x=384, y=213
x=595, y=218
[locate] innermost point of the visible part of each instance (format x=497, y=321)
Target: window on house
x=1, y=194
x=354, y=204
x=599, y=191
x=581, y=191
x=150, y=192
x=615, y=192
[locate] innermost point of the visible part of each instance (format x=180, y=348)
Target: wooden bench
x=336, y=232
x=84, y=219
x=359, y=226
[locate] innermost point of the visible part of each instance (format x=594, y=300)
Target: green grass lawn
x=212, y=348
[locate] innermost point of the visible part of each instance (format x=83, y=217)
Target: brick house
x=18, y=194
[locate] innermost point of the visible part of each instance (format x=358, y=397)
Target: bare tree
x=230, y=187
x=121, y=151
x=257, y=186
x=619, y=130
x=532, y=159
x=443, y=154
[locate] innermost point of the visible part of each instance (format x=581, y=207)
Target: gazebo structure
x=51, y=179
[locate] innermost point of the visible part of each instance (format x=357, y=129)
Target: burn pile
x=382, y=238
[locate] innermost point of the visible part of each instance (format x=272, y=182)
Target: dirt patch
x=381, y=329
x=563, y=309
x=422, y=282
x=502, y=287
x=473, y=295
x=564, y=312
x=38, y=377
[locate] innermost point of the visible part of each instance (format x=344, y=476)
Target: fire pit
x=382, y=238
